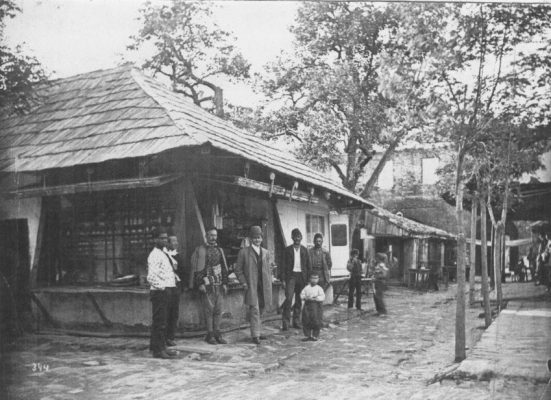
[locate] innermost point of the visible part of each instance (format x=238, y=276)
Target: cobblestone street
x=407, y=355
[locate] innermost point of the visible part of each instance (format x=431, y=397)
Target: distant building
x=407, y=185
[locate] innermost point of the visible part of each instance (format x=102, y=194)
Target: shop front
x=91, y=198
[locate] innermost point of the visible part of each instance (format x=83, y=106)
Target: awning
x=93, y=186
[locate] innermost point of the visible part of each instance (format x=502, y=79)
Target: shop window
x=314, y=224
x=339, y=235
x=429, y=167
x=108, y=235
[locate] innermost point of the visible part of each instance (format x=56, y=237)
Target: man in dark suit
x=294, y=275
x=254, y=270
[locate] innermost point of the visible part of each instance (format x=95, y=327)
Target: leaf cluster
x=188, y=47
x=19, y=73
x=336, y=94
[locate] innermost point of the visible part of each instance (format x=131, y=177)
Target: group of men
x=209, y=277
x=298, y=264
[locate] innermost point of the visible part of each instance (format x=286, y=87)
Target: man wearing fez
x=320, y=261
x=162, y=283
x=211, y=279
x=253, y=269
x=294, y=275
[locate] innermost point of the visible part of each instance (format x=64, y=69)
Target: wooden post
x=180, y=220
x=218, y=101
x=442, y=258
x=194, y=220
x=424, y=260
x=272, y=181
x=474, y=210
x=295, y=186
x=38, y=248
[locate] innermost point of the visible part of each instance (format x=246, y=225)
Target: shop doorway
x=14, y=273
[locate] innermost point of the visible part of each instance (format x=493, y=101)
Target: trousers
x=212, y=307
x=173, y=310
x=293, y=287
x=255, y=319
x=159, y=308
x=355, y=285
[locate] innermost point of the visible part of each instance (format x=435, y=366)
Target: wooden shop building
x=109, y=155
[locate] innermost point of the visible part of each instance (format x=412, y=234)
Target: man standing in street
x=294, y=275
x=320, y=261
x=162, y=281
x=173, y=301
x=211, y=279
x=253, y=269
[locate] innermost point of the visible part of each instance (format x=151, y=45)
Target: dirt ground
x=406, y=355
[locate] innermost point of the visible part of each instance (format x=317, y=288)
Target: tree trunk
x=497, y=262
x=460, y=307
x=472, y=270
x=378, y=169
x=484, y=264
x=492, y=274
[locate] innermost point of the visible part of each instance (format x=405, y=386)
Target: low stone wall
x=105, y=308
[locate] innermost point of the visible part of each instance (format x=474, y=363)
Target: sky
x=75, y=36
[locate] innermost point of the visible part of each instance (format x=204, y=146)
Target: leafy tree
x=18, y=72
x=348, y=88
x=189, y=49
x=479, y=87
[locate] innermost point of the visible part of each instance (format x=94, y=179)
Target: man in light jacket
x=253, y=269
x=162, y=282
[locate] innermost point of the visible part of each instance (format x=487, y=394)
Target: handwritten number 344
x=40, y=367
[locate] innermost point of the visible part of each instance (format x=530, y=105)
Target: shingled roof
x=384, y=222
x=121, y=113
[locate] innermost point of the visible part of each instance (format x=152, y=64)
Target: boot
x=162, y=354
x=210, y=338
x=219, y=339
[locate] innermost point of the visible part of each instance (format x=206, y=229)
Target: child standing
x=354, y=266
x=312, y=315
x=380, y=273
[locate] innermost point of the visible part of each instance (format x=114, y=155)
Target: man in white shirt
x=162, y=281
x=294, y=275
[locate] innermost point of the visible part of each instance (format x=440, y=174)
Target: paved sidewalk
x=518, y=343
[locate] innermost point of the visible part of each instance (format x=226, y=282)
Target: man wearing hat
x=320, y=261
x=253, y=269
x=210, y=274
x=294, y=275
x=162, y=284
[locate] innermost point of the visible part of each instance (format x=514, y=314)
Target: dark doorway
x=393, y=247
x=15, y=298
